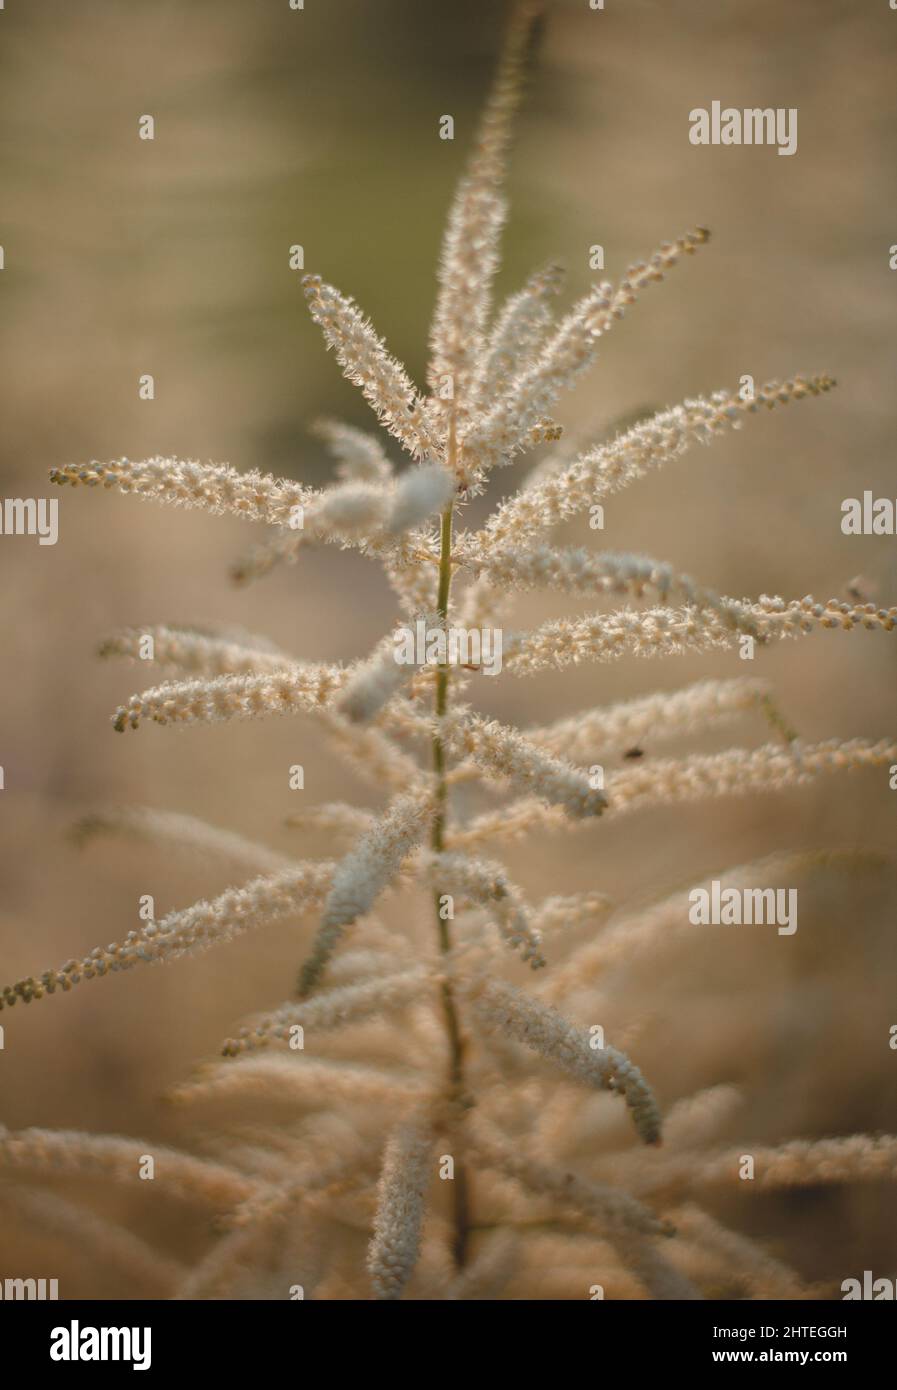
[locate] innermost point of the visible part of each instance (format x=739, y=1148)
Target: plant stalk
x=437, y=841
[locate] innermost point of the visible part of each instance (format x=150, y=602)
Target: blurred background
x=123, y=257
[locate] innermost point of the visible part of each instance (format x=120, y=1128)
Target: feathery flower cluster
x=717, y=1250
x=362, y=875
x=232, y=697
x=735, y=772
x=331, y=1009
x=578, y=571
x=487, y=885
x=362, y=512
x=174, y=832
x=359, y=455
x=519, y=329
x=116, y=1159
x=572, y=349
x=655, y=632
x=602, y=1206
x=500, y=1006
x=799, y=1163
x=196, y=928
x=400, y=1208
x=384, y=382
x=470, y=254
x=669, y=715
x=279, y=1080
x=98, y=1241
x=739, y=771
x=376, y=514
x=494, y=379
x=215, y=488
x=374, y=682
x=608, y=468
x=205, y=653
x=503, y=753
x=372, y=753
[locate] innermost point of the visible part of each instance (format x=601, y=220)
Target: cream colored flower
x=403, y=1183
x=362, y=875
x=504, y=1009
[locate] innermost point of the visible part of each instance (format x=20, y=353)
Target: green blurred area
x=272, y=128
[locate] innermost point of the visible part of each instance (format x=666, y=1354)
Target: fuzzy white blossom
x=487, y=885
x=178, y=834
x=362, y=875
x=799, y=1163
x=375, y=516
x=657, y=632
x=351, y=510
x=608, y=468
x=738, y=771
x=698, y=1118
x=360, y=456
x=99, y=1241
x=518, y=333
x=572, y=349
x=263, y=900
x=656, y=717
x=384, y=382
x=215, y=488
x=331, y=1009
x=373, y=683
x=198, y=650
x=112, y=1158
x=504, y=1009
x=404, y=1179
x=420, y=494
x=506, y=754
x=601, y=1205
x=315, y=1083
x=373, y=754
x=579, y=571
x=469, y=256
x=284, y=548
x=667, y=781
x=735, y=1261
x=233, y=697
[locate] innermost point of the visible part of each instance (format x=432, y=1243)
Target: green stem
x=437, y=841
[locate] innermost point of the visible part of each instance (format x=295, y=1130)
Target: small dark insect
x=634, y=753
x=860, y=589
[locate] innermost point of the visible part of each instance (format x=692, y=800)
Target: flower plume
x=328, y=1111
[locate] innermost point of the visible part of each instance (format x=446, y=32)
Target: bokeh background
x=170, y=257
